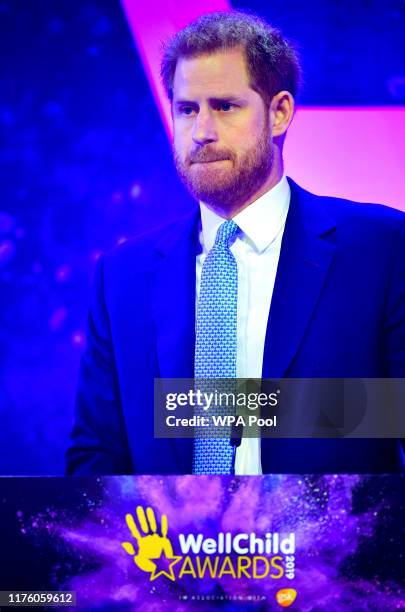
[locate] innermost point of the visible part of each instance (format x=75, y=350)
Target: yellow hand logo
x=151, y=544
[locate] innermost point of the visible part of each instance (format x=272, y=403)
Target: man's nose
x=204, y=129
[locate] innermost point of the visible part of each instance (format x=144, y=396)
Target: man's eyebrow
x=212, y=100
x=185, y=102
x=230, y=98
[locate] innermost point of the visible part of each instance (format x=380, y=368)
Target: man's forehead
x=217, y=72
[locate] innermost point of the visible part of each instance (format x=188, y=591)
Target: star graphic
x=164, y=566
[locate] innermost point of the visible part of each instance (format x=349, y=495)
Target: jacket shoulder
x=350, y=213
x=143, y=247
x=367, y=211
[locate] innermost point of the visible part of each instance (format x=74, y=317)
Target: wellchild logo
x=155, y=551
x=240, y=555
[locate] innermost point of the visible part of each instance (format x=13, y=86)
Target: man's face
x=222, y=135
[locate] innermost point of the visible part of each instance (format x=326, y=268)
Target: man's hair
x=272, y=62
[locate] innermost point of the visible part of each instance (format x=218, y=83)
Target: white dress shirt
x=257, y=251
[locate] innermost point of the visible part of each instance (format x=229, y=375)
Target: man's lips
x=208, y=161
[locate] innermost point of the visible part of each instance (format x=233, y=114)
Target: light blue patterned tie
x=216, y=340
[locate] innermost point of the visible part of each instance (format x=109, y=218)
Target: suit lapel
x=173, y=308
x=173, y=300
x=306, y=254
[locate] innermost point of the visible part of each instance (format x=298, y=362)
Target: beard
x=234, y=180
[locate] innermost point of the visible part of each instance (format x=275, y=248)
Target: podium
x=324, y=542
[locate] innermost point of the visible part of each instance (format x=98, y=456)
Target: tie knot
x=226, y=233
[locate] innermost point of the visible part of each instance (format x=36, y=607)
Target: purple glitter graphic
x=318, y=509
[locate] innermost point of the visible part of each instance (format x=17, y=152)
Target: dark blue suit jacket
x=338, y=310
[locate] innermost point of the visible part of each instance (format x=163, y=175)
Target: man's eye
x=224, y=106
x=186, y=110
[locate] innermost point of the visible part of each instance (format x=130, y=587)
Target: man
x=265, y=280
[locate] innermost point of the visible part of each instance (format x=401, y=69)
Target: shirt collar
x=260, y=222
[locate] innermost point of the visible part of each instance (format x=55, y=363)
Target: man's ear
x=281, y=112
